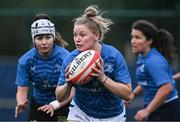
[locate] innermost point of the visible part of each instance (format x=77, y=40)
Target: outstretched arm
x=21, y=98
x=50, y=108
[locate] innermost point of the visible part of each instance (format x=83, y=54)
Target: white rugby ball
x=81, y=67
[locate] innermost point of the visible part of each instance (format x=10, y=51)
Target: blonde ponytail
x=92, y=17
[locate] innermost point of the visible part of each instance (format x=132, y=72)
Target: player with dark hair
x=156, y=51
x=41, y=67
x=100, y=99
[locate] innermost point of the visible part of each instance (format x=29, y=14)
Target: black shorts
x=167, y=112
x=59, y=114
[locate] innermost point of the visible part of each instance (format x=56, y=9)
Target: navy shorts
x=167, y=112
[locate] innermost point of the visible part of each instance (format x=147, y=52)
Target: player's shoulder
x=108, y=49
x=60, y=49
x=72, y=54
x=28, y=56
x=154, y=57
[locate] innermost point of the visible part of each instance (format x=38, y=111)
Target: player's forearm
x=21, y=95
x=138, y=90
x=122, y=90
x=56, y=104
x=63, y=92
x=160, y=97
x=69, y=98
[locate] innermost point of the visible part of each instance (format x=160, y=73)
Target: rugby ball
x=81, y=67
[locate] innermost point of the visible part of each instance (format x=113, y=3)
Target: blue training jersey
x=152, y=71
x=93, y=98
x=43, y=73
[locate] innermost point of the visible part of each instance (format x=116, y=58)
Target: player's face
x=44, y=43
x=139, y=43
x=84, y=37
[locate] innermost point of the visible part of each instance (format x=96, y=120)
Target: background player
x=155, y=51
x=41, y=67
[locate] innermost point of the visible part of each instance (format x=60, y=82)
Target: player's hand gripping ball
x=81, y=67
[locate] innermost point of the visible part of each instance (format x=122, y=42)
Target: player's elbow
x=169, y=88
x=127, y=97
x=128, y=92
x=166, y=89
